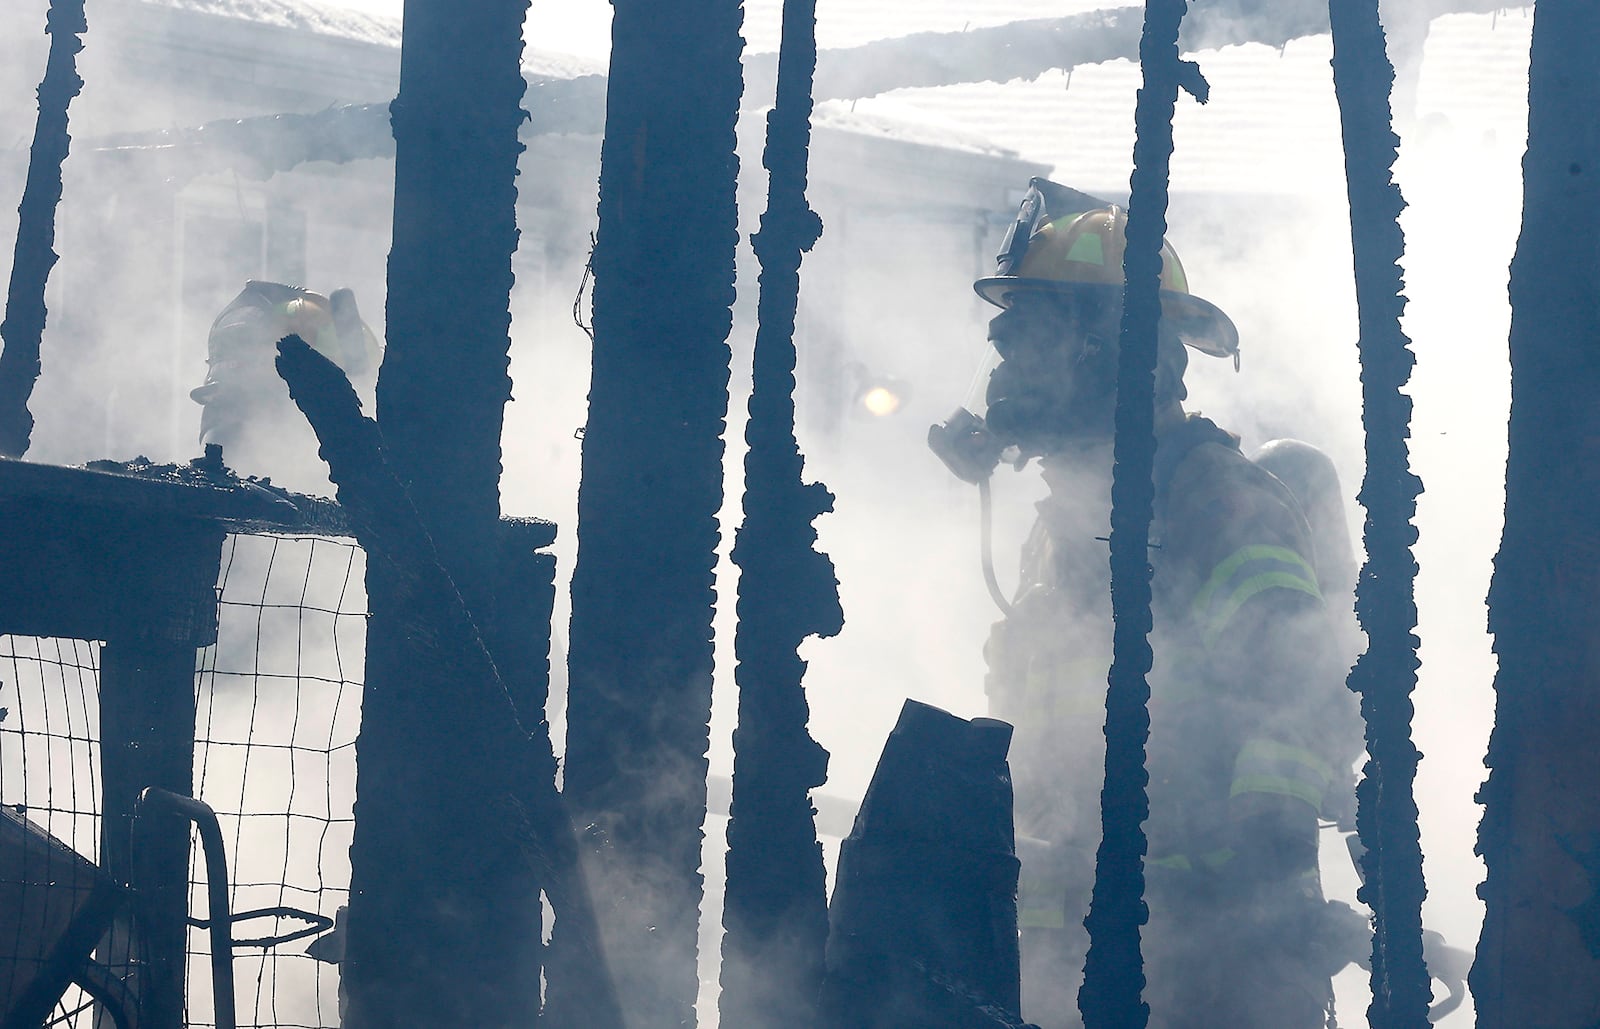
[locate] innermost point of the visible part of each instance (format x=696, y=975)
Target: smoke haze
x=1258, y=215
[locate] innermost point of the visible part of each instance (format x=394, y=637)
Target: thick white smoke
x=1258, y=215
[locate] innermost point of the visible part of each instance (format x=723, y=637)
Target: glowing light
x=880, y=401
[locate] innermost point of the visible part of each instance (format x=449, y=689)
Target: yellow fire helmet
x=1081, y=249
x=331, y=325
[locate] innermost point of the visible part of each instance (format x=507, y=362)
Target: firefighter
x=1253, y=733
x=245, y=407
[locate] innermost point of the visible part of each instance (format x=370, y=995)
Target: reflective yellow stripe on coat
x=1243, y=574
x=1280, y=770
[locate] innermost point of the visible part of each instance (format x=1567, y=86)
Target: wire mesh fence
x=49, y=761
x=278, y=708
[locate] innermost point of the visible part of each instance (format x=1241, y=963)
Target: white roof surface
x=842, y=23
x=1271, y=125
x=306, y=15
x=329, y=19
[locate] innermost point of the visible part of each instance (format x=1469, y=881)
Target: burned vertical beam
x=1538, y=960
x=443, y=386
x=525, y=826
x=448, y=937
x=1113, y=979
x=643, y=587
x=166, y=610
x=1386, y=673
x=775, y=907
x=23, y=327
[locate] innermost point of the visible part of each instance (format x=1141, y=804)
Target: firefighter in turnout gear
x=245, y=407
x=1253, y=732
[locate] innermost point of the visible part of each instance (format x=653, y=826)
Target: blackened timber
x=196, y=490
x=1538, y=961
x=23, y=327
x=1113, y=979
x=643, y=587
x=68, y=551
x=443, y=385
x=519, y=831
x=168, y=610
x=1386, y=673
x=449, y=936
x=923, y=925
x=775, y=907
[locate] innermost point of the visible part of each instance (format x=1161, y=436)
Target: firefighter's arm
x=1265, y=637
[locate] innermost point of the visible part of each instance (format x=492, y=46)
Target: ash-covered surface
x=203, y=489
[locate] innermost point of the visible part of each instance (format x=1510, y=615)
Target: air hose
x=986, y=546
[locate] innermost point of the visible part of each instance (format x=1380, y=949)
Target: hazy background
x=1258, y=216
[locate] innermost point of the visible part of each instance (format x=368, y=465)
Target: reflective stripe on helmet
x=1241, y=575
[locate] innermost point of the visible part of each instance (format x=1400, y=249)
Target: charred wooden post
x=643, y=588
x=450, y=936
x=23, y=327
x=443, y=386
x=923, y=924
x=1113, y=978
x=518, y=636
x=168, y=608
x=524, y=834
x=1538, y=960
x=1386, y=673
x=775, y=906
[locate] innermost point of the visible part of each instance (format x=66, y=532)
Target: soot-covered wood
x=775, y=909
x=643, y=587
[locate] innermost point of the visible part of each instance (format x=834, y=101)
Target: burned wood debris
x=514, y=778
x=923, y=923
x=23, y=326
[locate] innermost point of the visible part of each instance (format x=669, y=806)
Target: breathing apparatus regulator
x=1067, y=246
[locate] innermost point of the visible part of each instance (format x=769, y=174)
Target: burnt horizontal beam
x=166, y=491
x=72, y=538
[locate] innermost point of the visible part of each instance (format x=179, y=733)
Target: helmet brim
x=1199, y=323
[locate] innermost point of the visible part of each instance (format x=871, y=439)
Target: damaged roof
x=325, y=19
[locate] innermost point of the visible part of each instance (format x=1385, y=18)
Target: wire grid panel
x=50, y=736
x=49, y=766
x=278, y=701
x=278, y=707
